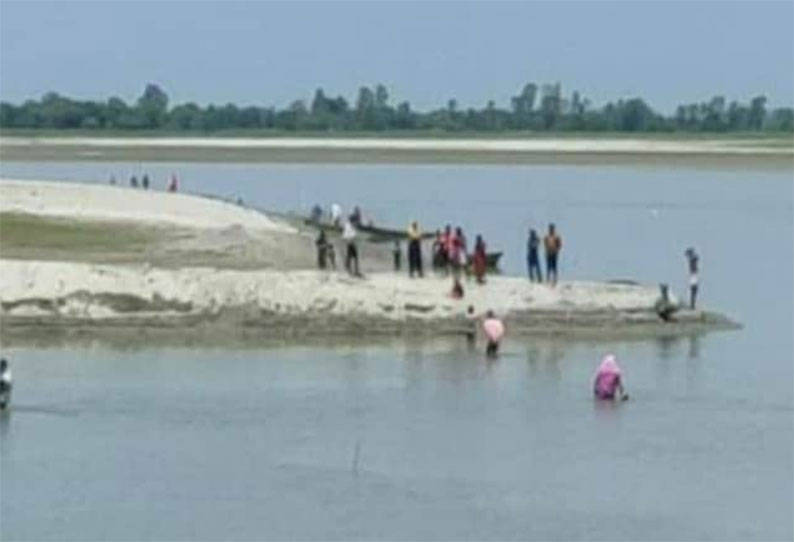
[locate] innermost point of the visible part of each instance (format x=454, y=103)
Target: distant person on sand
x=692, y=261
x=355, y=218
x=608, y=383
x=494, y=331
x=336, y=214
x=414, y=250
x=479, y=260
x=113, y=180
x=134, y=181
x=145, y=182
x=397, y=254
x=533, y=258
x=316, y=214
x=351, y=255
x=173, y=184
x=553, y=244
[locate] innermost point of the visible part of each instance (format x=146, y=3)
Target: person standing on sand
x=447, y=241
x=692, y=261
x=533, y=258
x=398, y=256
x=480, y=260
x=322, y=250
x=134, y=181
x=145, y=182
x=553, y=244
x=173, y=184
x=414, y=250
x=351, y=256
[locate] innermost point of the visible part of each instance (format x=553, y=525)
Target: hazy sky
x=270, y=53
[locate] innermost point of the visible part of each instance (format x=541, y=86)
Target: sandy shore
x=209, y=274
x=562, y=145
x=715, y=152
x=109, y=203
x=310, y=302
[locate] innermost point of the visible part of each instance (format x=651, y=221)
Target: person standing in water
x=414, y=250
x=553, y=244
x=692, y=261
x=351, y=256
x=494, y=331
x=5, y=384
x=608, y=382
x=533, y=258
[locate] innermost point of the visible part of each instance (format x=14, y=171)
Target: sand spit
x=114, y=203
x=540, y=145
x=310, y=302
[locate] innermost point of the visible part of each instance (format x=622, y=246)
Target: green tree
x=153, y=106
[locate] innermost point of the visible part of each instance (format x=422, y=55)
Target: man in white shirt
x=351, y=257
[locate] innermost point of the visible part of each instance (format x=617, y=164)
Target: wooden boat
x=377, y=233
x=492, y=259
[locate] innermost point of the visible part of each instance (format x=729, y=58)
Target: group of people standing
x=552, y=244
x=450, y=253
x=171, y=186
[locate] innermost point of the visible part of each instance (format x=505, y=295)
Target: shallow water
x=427, y=440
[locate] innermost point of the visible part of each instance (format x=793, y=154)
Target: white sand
x=539, y=145
x=295, y=293
x=116, y=203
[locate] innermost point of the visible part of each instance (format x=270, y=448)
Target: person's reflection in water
x=694, y=347
x=666, y=345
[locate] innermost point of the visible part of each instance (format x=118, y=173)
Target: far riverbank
x=705, y=151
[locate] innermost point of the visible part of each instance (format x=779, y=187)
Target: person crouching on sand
x=607, y=383
x=494, y=331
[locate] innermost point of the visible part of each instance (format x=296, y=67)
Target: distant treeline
x=535, y=108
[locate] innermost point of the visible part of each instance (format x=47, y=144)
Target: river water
x=403, y=440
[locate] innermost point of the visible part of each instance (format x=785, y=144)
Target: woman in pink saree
x=607, y=383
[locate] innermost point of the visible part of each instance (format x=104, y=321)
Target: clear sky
x=270, y=53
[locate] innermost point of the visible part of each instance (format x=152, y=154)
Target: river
x=426, y=440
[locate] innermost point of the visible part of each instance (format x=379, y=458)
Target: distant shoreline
x=708, y=152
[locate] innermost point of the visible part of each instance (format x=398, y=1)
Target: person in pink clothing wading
x=494, y=331
x=607, y=383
